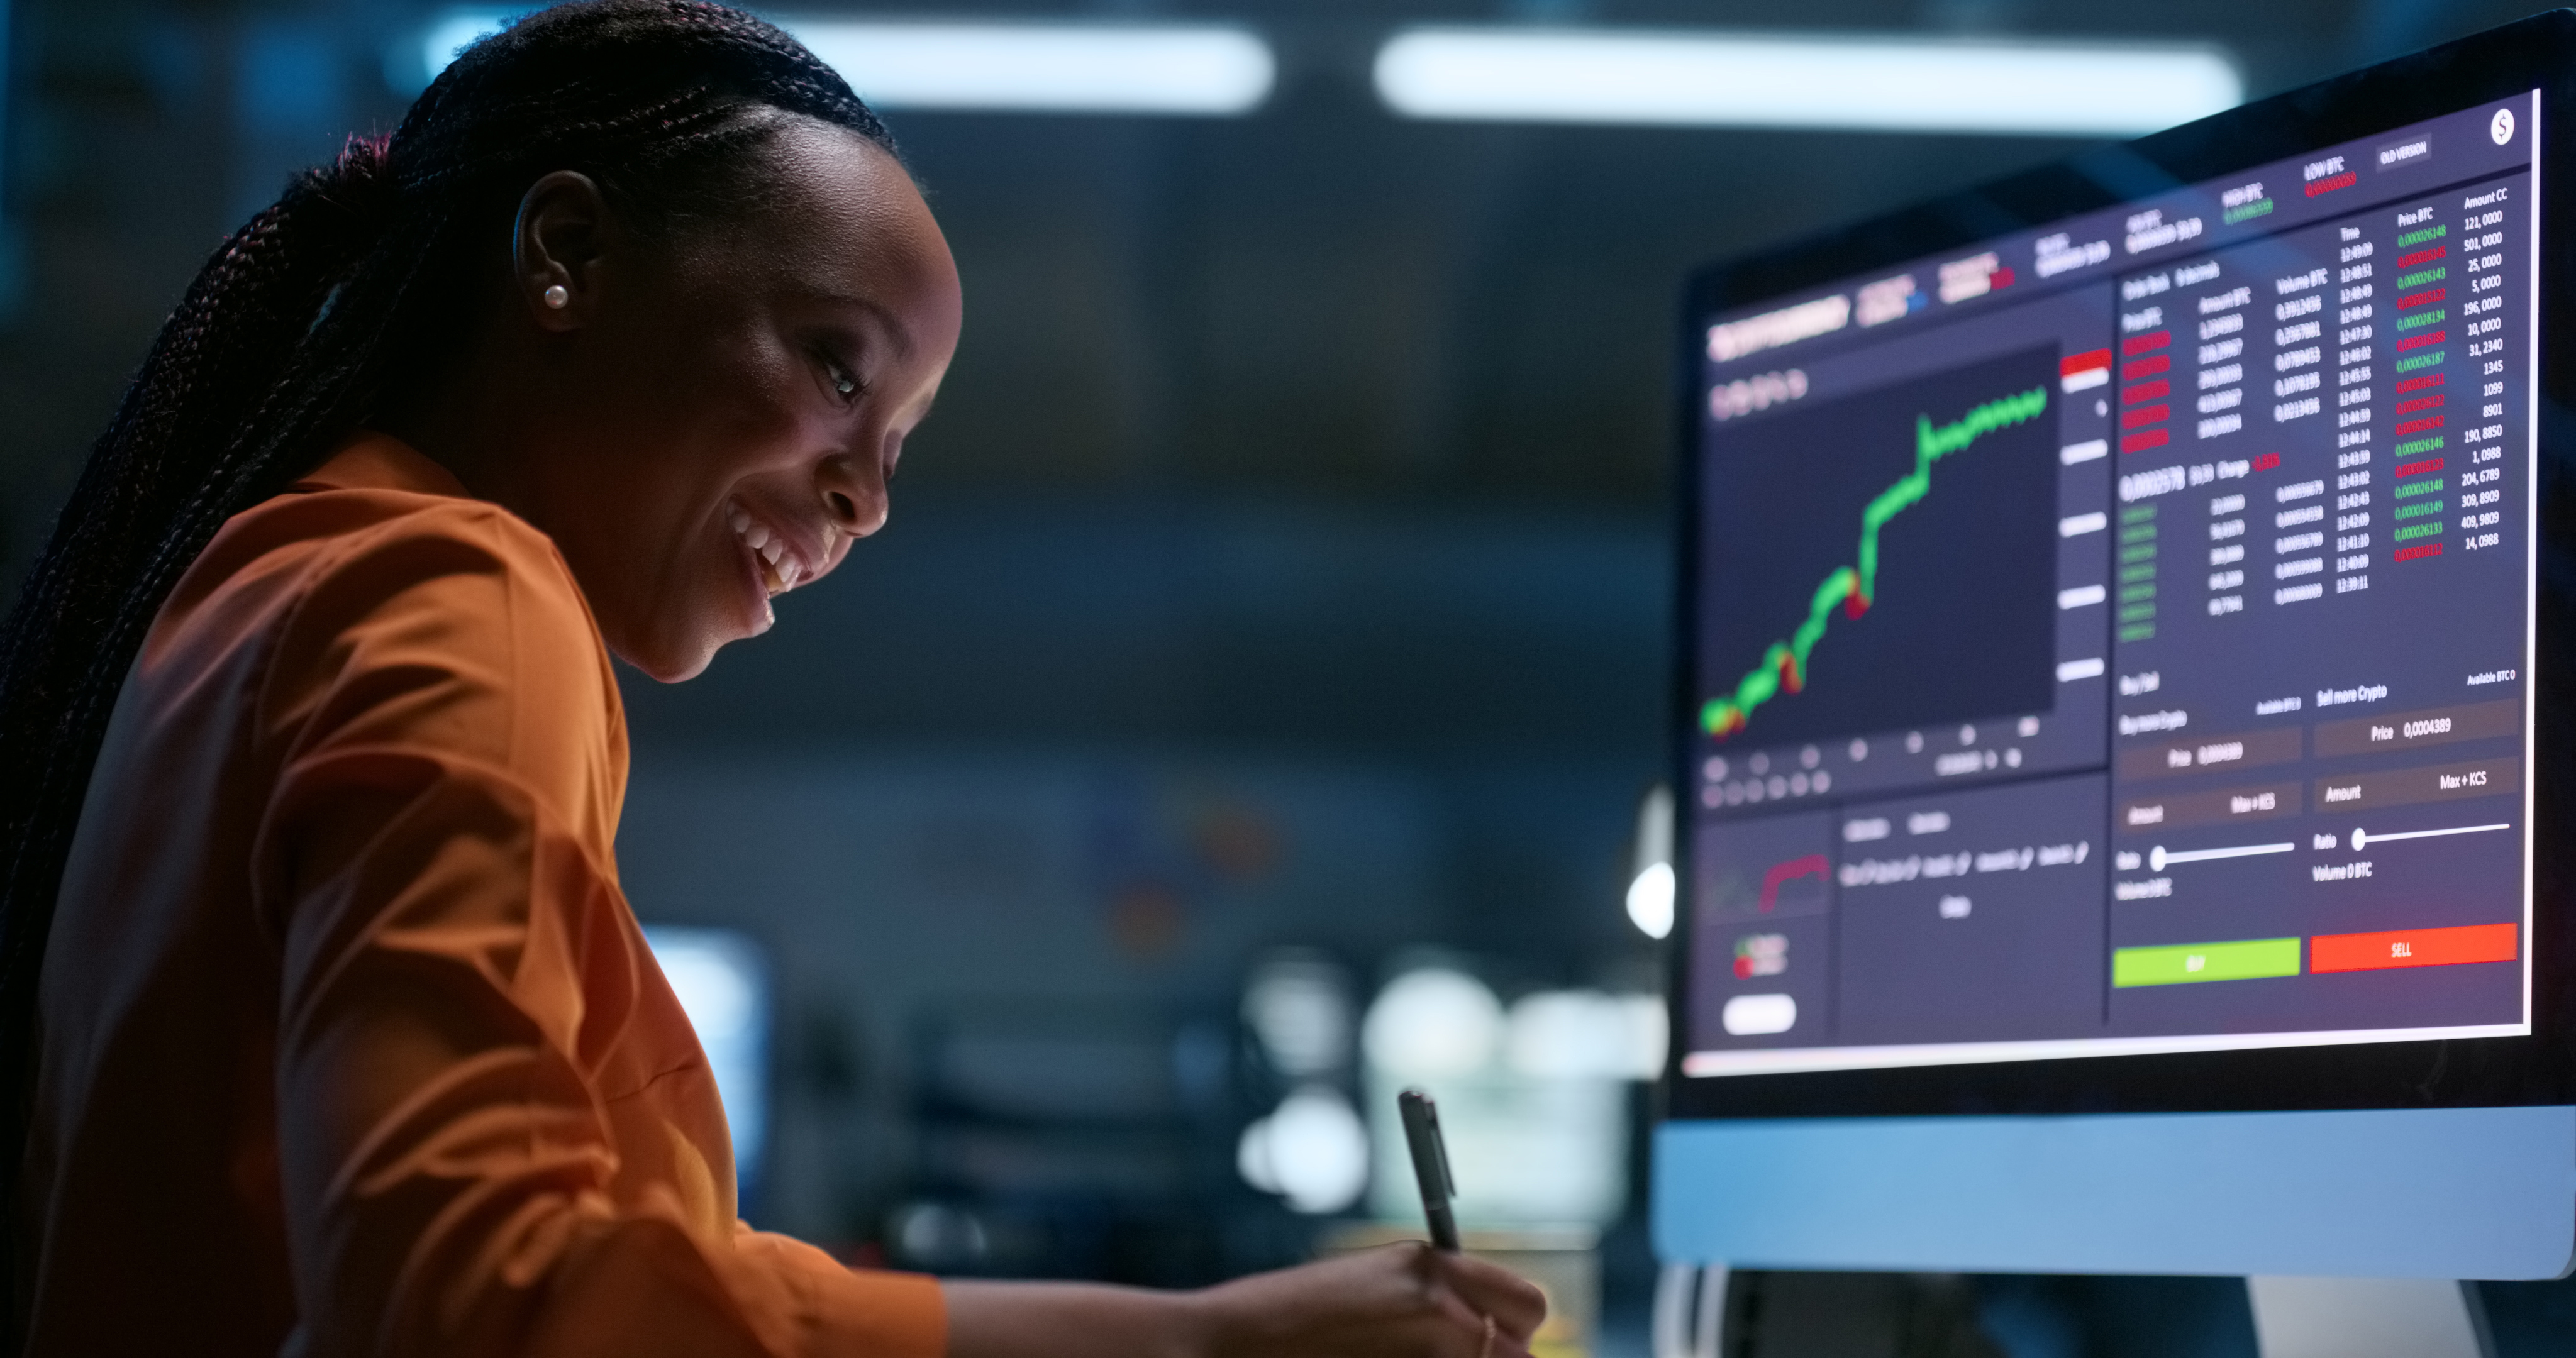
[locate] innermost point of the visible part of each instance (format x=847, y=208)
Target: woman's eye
x=844, y=382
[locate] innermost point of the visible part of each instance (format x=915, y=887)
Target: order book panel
x=2323, y=508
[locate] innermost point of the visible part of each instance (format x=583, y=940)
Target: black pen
x=1430, y=1166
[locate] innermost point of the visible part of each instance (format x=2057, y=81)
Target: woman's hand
x=1401, y=1301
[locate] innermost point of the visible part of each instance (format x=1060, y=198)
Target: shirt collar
x=374, y=461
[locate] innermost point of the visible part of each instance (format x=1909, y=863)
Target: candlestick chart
x=1891, y=550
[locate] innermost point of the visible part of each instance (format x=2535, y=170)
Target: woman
x=325, y=1028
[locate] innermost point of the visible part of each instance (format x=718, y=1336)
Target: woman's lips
x=780, y=569
x=755, y=583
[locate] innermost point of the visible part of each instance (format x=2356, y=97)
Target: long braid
x=291, y=336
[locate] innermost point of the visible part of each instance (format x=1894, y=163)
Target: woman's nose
x=854, y=494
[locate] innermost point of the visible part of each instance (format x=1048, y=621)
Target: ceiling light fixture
x=1706, y=79
x=1207, y=70
x=1201, y=69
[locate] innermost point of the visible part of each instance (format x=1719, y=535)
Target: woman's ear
x=563, y=231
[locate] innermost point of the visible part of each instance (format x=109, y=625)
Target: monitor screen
x=2114, y=636
x=721, y=979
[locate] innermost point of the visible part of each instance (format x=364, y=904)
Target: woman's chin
x=666, y=670
x=673, y=659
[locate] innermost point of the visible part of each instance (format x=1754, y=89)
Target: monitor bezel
x=2534, y=53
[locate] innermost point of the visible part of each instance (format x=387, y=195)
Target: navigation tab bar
x=2252, y=203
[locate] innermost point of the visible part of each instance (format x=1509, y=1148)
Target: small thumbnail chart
x=1763, y=907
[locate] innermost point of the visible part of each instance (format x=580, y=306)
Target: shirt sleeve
x=459, y=977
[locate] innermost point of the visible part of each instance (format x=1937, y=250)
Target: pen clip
x=1429, y=1148
x=1439, y=1150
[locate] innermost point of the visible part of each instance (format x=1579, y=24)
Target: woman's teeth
x=779, y=572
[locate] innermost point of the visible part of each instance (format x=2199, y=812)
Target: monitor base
x=2293, y=1317
x=1689, y=1316
x=2368, y=1318
x=2471, y=1193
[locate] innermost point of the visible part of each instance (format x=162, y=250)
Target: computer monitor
x=721, y=978
x=2122, y=727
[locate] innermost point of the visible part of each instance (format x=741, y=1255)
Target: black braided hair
x=303, y=324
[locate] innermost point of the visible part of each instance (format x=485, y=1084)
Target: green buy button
x=2180, y=963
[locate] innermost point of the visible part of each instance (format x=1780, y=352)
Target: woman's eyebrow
x=896, y=330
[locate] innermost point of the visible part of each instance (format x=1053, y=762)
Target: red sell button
x=2414, y=948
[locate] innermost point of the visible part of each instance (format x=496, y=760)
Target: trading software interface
x=2115, y=637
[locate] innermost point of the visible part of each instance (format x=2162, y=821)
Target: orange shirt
x=350, y=1044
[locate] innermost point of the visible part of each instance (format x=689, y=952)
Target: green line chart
x=1853, y=587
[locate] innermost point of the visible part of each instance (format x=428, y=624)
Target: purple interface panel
x=2114, y=638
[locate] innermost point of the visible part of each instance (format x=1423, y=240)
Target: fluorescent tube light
x=1706, y=79
x=452, y=32
x=1205, y=69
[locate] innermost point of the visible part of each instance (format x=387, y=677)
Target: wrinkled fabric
x=350, y=1043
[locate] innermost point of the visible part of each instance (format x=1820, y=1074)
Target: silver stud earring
x=557, y=298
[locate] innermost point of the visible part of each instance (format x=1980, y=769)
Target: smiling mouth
x=779, y=568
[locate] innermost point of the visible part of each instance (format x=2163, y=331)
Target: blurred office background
x=1247, y=708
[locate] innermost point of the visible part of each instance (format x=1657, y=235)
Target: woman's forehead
x=843, y=204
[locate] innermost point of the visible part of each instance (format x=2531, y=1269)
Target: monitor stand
x=2293, y=1317
x=2368, y=1318
x=1689, y=1314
